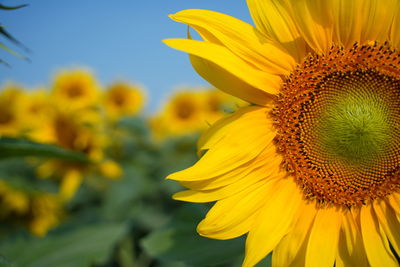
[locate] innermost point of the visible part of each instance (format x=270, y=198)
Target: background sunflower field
x=82, y=175
x=83, y=158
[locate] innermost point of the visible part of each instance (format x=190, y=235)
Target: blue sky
x=118, y=39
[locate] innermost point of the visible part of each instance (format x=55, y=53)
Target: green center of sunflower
x=338, y=119
x=356, y=129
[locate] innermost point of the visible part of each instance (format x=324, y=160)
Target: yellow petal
x=70, y=184
x=394, y=202
x=377, y=19
x=375, y=243
x=314, y=20
x=222, y=128
x=291, y=250
x=324, y=237
x=221, y=56
x=395, y=29
x=228, y=82
x=239, y=37
x=362, y=21
x=273, y=222
x=267, y=163
x=229, y=217
x=351, y=249
x=390, y=224
x=272, y=18
x=347, y=16
x=223, y=157
x=231, y=189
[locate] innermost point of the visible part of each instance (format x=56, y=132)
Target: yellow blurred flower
x=10, y=119
x=12, y=201
x=77, y=130
x=123, y=99
x=70, y=183
x=110, y=169
x=36, y=109
x=46, y=213
x=159, y=129
x=75, y=89
x=181, y=115
x=191, y=111
x=80, y=131
x=37, y=211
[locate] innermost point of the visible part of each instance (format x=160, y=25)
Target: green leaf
x=179, y=241
x=12, y=7
x=14, y=147
x=4, y=47
x=79, y=248
x=11, y=38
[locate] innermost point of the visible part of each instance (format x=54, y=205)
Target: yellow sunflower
x=310, y=171
x=46, y=213
x=75, y=88
x=38, y=211
x=36, y=111
x=123, y=99
x=181, y=115
x=80, y=131
x=10, y=118
x=12, y=201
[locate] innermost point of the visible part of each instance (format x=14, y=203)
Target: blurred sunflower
x=311, y=171
x=37, y=211
x=79, y=131
x=123, y=99
x=75, y=89
x=12, y=201
x=46, y=213
x=182, y=115
x=10, y=119
x=36, y=109
x=159, y=129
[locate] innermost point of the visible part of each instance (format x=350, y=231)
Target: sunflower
x=310, y=171
x=10, y=119
x=12, y=201
x=37, y=211
x=123, y=99
x=181, y=115
x=80, y=131
x=75, y=89
x=46, y=213
x=37, y=111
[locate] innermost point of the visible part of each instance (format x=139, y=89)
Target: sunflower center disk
x=357, y=128
x=337, y=120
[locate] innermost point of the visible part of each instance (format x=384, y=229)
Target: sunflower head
x=37, y=110
x=13, y=202
x=75, y=88
x=77, y=130
x=311, y=170
x=181, y=115
x=46, y=213
x=37, y=211
x=10, y=117
x=123, y=99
